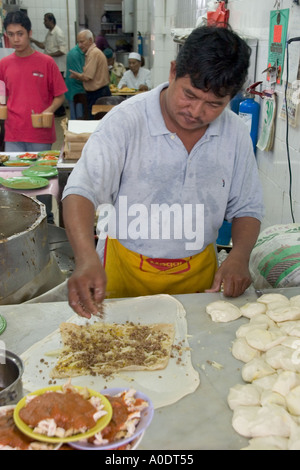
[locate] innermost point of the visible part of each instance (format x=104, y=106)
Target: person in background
x=168, y=166
x=116, y=69
x=55, y=46
x=101, y=42
x=33, y=82
x=136, y=77
x=75, y=61
x=95, y=75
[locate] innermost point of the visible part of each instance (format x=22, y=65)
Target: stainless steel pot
x=11, y=371
x=24, y=250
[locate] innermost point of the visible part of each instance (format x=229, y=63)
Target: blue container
x=224, y=235
x=236, y=101
x=249, y=111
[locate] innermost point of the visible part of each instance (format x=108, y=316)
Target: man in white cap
x=136, y=77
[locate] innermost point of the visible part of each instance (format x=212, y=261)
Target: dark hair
x=17, y=17
x=50, y=17
x=216, y=59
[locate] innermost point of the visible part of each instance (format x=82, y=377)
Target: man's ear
x=172, y=75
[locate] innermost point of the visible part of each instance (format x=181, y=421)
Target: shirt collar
x=53, y=30
x=92, y=46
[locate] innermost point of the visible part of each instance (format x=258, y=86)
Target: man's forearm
x=79, y=218
x=41, y=45
x=56, y=103
x=245, y=231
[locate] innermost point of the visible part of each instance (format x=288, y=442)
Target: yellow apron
x=130, y=274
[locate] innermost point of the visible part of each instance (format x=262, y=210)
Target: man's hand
x=233, y=278
x=74, y=74
x=87, y=288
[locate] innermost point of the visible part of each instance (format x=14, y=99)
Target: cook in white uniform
x=137, y=77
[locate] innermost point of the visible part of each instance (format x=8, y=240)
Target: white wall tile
x=252, y=18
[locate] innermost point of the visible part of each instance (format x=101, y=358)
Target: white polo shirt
x=133, y=163
x=55, y=41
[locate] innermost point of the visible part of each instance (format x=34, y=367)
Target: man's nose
x=197, y=108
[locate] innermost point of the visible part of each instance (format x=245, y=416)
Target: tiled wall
x=252, y=19
x=64, y=12
x=155, y=19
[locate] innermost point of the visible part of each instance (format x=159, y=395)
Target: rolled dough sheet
x=163, y=387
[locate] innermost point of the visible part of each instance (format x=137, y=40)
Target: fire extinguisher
x=249, y=111
x=140, y=43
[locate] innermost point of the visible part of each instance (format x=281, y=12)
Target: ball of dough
x=272, y=398
x=223, y=312
x=290, y=328
x=264, y=421
x=295, y=301
x=294, y=440
x=256, y=369
x=251, y=309
x=263, y=340
x=263, y=321
x=287, y=380
x=267, y=298
x=281, y=357
x=267, y=382
x=285, y=313
x=293, y=401
x=243, y=395
x=243, y=330
x=268, y=443
x=242, y=351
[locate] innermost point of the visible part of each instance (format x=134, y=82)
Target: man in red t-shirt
x=33, y=83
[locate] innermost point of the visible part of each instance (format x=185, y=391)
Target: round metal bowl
x=24, y=250
x=11, y=371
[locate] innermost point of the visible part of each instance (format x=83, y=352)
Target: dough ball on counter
x=295, y=301
x=287, y=380
x=284, y=313
x=291, y=328
x=263, y=321
x=243, y=330
x=267, y=382
x=267, y=298
x=294, y=440
x=263, y=340
x=251, y=309
x=263, y=421
x=222, y=311
x=243, y=395
x=256, y=369
x=242, y=351
x=268, y=443
x=293, y=401
x=282, y=357
x=272, y=398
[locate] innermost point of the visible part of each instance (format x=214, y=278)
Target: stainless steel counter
x=201, y=420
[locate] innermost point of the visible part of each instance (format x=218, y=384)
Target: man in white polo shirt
x=55, y=46
x=166, y=168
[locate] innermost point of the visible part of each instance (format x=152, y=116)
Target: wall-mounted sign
x=279, y=20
